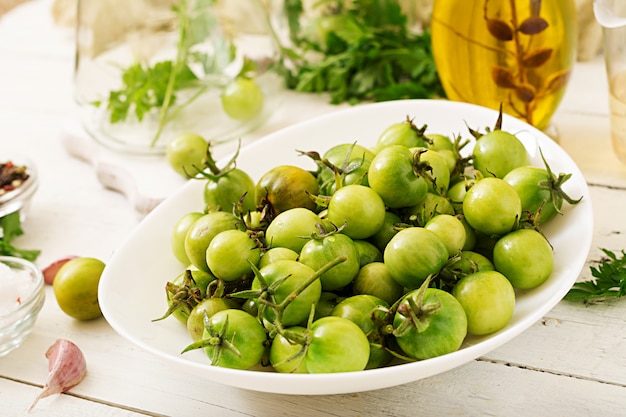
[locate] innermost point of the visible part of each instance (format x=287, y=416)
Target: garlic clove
x=66, y=368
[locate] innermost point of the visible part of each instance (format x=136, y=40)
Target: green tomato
x=471, y=262
x=492, y=206
x=242, y=99
x=285, y=187
x=450, y=230
x=177, y=240
x=288, y=276
x=318, y=252
x=440, y=171
x=206, y=308
x=430, y=207
x=75, y=287
x=441, y=330
x=353, y=160
x=363, y=310
x=291, y=229
x=525, y=257
x=359, y=208
x=186, y=154
x=231, y=255
x=393, y=176
x=498, y=152
x=375, y=279
x=180, y=307
x=336, y=345
x=275, y=254
x=287, y=356
x=488, y=299
x=202, y=232
x=388, y=230
x=439, y=142
x=243, y=331
x=225, y=191
x=413, y=254
x=403, y=133
x=538, y=190
x=368, y=252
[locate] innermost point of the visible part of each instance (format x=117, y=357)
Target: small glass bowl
x=19, y=198
x=17, y=322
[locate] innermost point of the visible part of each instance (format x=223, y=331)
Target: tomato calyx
x=211, y=170
x=462, y=162
x=497, y=126
x=216, y=339
x=348, y=166
x=450, y=274
x=266, y=295
x=185, y=295
x=554, y=184
x=323, y=231
x=420, y=131
x=417, y=311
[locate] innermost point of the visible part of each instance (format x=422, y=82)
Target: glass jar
x=514, y=53
x=148, y=70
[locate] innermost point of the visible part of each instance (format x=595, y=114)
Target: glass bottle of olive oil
x=514, y=53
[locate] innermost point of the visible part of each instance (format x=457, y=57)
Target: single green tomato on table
x=242, y=99
x=76, y=287
x=185, y=153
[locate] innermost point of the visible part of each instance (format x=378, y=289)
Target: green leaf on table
x=609, y=282
x=11, y=228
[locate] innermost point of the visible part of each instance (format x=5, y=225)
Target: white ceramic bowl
x=139, y=269
x=17, y=321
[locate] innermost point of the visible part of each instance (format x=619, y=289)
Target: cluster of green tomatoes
x=392, y=253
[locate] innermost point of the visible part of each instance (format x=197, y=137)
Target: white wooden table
x=570, y=363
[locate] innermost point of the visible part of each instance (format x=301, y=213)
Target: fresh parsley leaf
x=370, y=55
x=11, y=228
x=152, y=88
x=609, y=282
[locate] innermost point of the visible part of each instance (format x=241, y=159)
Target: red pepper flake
x=19, y=300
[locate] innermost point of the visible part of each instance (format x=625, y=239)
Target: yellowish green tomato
x=177, y=239
x=488, y=299
x=76, y=288
x=185, y=153
x=242, y=99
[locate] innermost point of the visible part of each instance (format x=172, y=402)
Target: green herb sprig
x=147, y=88
x=609, y=282
x=11, y=228
x=368, y=55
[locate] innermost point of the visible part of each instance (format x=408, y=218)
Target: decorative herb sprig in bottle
x=517, y=53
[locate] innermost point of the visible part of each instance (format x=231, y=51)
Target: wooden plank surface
x=570, y=363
